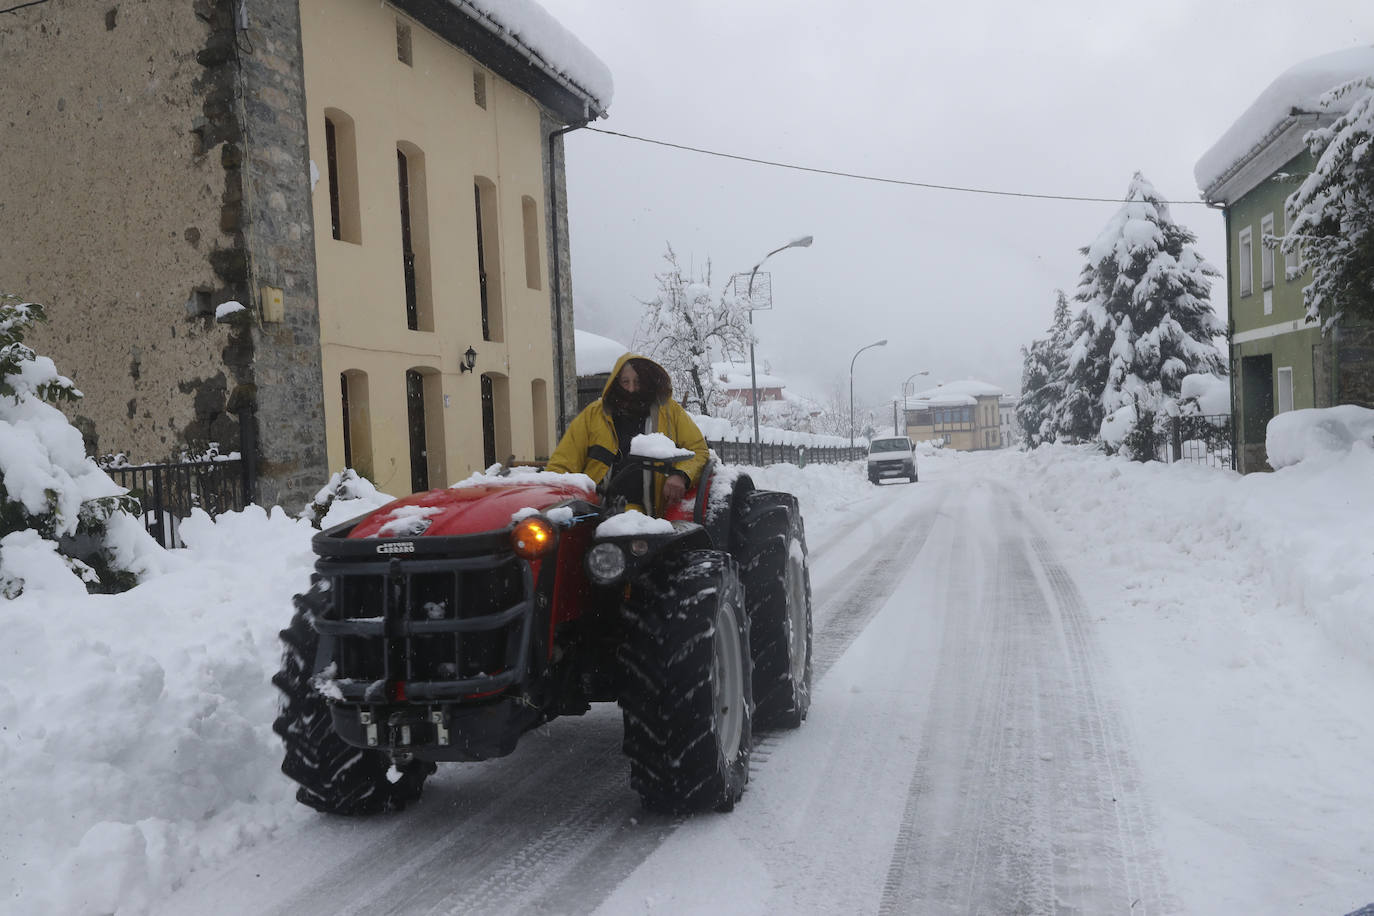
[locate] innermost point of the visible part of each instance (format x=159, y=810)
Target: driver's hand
x=673, y=488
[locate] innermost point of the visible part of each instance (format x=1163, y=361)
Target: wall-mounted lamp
x=468, y=361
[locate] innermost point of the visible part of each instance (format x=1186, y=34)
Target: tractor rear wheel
x=687, y=699
x=334, y=776
x=771, y=544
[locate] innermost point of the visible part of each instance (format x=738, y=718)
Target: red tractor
x=445, y=625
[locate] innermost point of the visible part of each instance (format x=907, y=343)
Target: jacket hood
x=663, y=383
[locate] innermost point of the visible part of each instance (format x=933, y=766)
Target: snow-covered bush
x=57, y=508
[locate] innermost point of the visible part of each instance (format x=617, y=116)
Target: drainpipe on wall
x=558, y=280
x=1231, y=360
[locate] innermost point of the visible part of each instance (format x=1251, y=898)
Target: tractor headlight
x=605, y=563
x=533, y=537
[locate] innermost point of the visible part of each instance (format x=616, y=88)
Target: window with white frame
x=1267, y=251
x=1285, y=386
x=1245, y=263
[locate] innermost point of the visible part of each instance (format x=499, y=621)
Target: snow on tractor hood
x=482, y=503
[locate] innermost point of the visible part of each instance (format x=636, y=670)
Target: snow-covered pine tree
x=1146, y=322
x=686, y=327
x=56, y=505
x=1331, y=215
x=1042, y=379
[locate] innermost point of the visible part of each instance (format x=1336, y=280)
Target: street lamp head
x=803, y=242
x=881, y=343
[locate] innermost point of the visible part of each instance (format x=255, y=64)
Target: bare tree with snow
x=687, y=327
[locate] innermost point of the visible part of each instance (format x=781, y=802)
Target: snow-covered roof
x=1299, y=87
x=596, y=354
x=736, y=376
x=955, y=394
x=538, y=32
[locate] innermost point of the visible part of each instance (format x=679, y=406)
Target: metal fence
x=168, y=492
x=773, y=453
x=1201, y=439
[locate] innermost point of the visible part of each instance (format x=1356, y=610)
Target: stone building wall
x=1355, y=365
x=110, y=201
x=286, y=386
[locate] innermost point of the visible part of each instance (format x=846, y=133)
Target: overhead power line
x=877, y=178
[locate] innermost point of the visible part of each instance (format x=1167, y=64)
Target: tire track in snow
x=1024, y=798
x=1140, y=867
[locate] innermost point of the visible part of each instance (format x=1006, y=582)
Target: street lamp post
x=803, y=242
x=894, y=403
x=881, y=343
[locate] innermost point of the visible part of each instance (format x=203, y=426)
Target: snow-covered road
x=961, y=756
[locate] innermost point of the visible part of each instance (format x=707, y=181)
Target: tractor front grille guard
x=424, y=630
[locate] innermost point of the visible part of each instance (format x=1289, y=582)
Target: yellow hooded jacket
x=594, y=427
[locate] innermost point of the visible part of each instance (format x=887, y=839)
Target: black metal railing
x=775, y=453
x=1202, y=439
x=168, y=492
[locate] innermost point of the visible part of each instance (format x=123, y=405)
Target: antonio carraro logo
x=401, y=547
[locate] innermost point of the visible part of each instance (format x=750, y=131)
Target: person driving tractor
x=638, y=398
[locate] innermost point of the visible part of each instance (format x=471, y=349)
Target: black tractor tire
x=686, y=694
x=771, y=546
x=334, y=777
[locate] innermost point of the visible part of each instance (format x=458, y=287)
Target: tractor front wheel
x=687, y=698
x=334, y=777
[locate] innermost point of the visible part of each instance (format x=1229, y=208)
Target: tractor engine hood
x=480, y=504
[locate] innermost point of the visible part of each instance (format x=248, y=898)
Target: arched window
x=341, y=163
x=488, y=258
x=539, y=401
x=530, y=215
x=425, y=420
x=410, y=177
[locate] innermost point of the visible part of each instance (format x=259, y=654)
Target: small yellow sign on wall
x=273, y=305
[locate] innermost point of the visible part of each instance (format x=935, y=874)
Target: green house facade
x=1280, y=360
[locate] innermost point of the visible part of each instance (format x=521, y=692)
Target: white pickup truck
x=891, y=457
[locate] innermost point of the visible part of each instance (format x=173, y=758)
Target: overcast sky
x=1061, y=97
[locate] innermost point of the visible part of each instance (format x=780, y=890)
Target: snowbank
x=1318, y=435
x=137, y=743
x=1296, y=543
